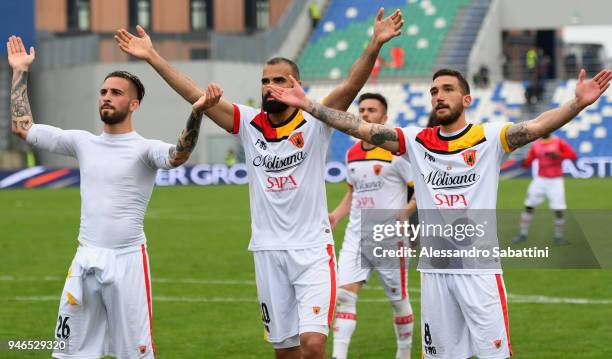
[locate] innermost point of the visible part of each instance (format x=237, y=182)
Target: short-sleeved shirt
x=286, y=171
x=459, y=172
x=378, y=180
x=117, y=178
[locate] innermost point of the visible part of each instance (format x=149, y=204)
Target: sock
x=559, y=224
x=526, y=218
x=403, y=323
x=345, y=323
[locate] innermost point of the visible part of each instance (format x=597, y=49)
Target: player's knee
x=529, y=209
x=345, y=299
x=313, y=345
x=402, y=308
x=559, y=214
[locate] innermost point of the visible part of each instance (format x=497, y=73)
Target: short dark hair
x=140, y=90
x=284, y=60
x=373, y=96
x=462, y=81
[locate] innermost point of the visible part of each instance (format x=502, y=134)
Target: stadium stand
x=346, y=28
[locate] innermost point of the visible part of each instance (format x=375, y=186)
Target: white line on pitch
x=513, y=298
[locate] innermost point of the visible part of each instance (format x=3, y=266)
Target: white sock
x=403, y=323
x=526, y=218
x=345, y=323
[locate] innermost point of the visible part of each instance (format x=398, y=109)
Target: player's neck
x=455, y=126
x=124, y=126
x=280, y=117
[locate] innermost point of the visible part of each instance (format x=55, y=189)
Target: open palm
x=18, y=57
x=389, y=27
x=138, y=46
x=291, y=96
x=587, y=92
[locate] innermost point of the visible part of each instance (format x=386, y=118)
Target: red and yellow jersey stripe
x=431, y=139
x=282, y=131
x=357, y=153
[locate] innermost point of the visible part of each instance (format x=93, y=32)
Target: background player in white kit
x=105, y=308
x=285, y=151
x=547, y=183
x=377, y=180
x=464, y=312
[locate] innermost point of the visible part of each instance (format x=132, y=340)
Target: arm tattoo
x=343, y=121
x=187, y=140
x=21, y=115
x=379, y=134
x=518, y=135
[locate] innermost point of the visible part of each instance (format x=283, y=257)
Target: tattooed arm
x=348, y=123
x=180, y=153
x=20, y=60
x=374, y=133
x=587, y=92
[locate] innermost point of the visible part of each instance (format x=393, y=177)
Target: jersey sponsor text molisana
x=441, y=179
x=274, y=163
x=366, y=186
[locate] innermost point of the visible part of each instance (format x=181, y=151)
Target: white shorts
x=542, y=188
x=464, y=315
x=296, y=291
x=105, y=307
x=351, y=270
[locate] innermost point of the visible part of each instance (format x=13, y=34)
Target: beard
x=114, y=117
x=450, y=118
x=273, y=106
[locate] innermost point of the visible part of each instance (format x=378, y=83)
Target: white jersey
x=378, y=180
x=117, y=177
x=456, y=172
x=286, y=170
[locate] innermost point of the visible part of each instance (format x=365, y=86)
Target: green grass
x=202, y=233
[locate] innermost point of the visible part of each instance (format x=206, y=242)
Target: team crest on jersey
x=377, y=169
x=297, y=139
x=497, y=343
x=469, y=157
x=316, y=310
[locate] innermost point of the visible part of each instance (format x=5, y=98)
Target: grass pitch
x=204, y=297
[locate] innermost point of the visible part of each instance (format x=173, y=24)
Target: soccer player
x=376, y=180
x=464, y=312
x=550, y=151
x=285, y=150
x=105, y=307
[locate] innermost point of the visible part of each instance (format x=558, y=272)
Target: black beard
x=273, y=106
x=114, y=118
x=452, y=117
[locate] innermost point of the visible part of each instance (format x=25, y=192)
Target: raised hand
x=387, y=28
x=588, y=91
x=18, y=58
x=209, y=99
x=292, y=96
x=139, y=46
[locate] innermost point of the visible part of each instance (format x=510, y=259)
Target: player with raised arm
x=550, y=151
x=105, y=307
x=376, y=180
x=464, y=311
x=285, y=151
